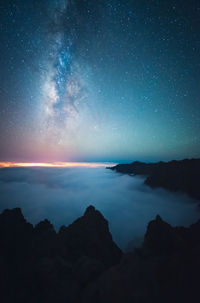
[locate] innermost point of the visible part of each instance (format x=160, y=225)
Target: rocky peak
x=89, y=235
x=160, y=237
x=12, y=216
x=90, y=210
x=94, y=213
x=15, y=234
x=158, y=219
x=44, y=227
x=12, y=221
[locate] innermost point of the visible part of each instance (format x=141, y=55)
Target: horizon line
x=55, y=164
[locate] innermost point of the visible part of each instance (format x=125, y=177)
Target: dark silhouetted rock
x=89, y=236
x=161, y=238
x=46, y=242
x=40, y=265
x=82, y=264
x=183, y=176
x=166, y=269
x=15, y=234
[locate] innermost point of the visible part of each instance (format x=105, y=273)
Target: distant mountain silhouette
x=81, y=263
x=183, y=175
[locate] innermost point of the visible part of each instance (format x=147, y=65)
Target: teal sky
x=99, y=80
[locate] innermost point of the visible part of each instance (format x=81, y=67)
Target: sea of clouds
x=62, y=195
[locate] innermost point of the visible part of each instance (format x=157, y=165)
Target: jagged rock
x=15, y=234
x=46, y=242
x=40, y=265
x=44, y=228
x=161, y=238
x=89, y=236
x=165, y=270
x=76, y=264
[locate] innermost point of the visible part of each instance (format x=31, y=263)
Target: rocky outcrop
x=161, y=238
x=180, y=176
x=15, y=235
x=165, y=269
x=81, y=263
x=89, y=236
x=40, y=265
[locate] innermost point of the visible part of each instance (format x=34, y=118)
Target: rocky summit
x=81, y=263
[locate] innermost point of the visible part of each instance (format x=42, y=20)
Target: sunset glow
x=53, y=164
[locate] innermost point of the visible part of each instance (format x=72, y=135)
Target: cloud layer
x=62, y=194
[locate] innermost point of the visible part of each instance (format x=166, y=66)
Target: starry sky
x=85, y=80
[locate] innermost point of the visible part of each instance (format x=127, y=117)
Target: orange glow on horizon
x=52, y=164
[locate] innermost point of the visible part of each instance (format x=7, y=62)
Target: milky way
x=64, y=84
x=99, y=80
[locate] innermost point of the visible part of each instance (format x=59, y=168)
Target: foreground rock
x=181, y=175
x=90, y=236
x=81, y=263
x=40, y=265
x=165, y=269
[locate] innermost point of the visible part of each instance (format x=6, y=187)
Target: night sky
x=99, y=80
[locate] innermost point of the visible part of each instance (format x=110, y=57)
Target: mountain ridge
x=81, y=263
x=175, y=175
